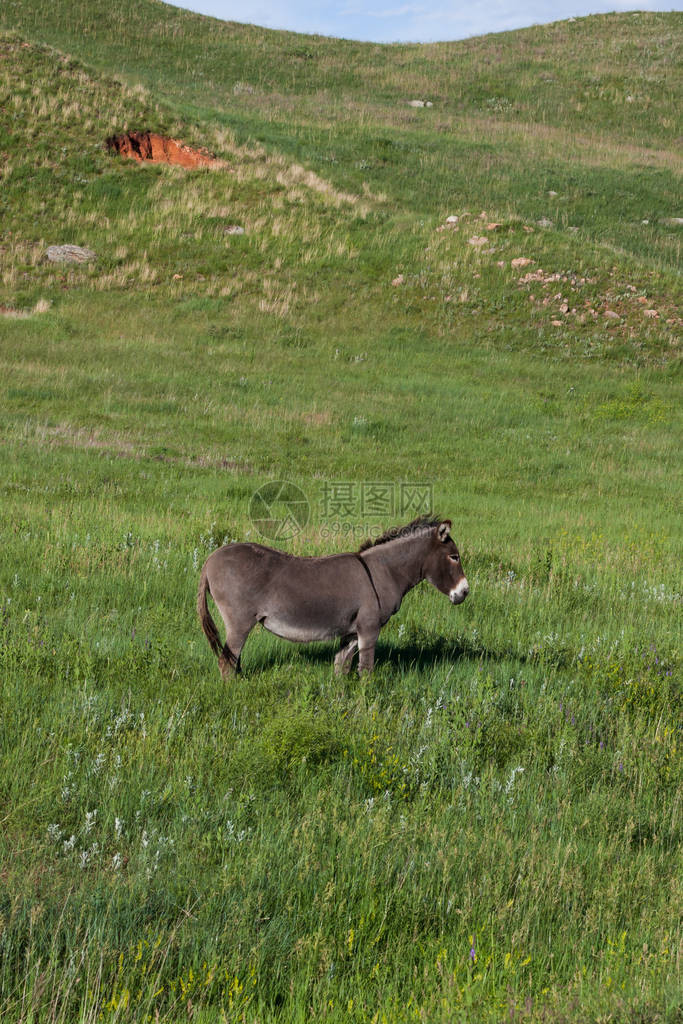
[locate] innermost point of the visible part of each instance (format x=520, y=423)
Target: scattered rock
x=609, y=314
x=149, y=146
x=451, y=223
x=493, y=226
x=521, y=261
x=477, y=240
x=69, y=254
x=528, y=230
x=642, y=299
x=551, y=193
x=233, y=229
x=420, y=103
x=673, y=222
x=398, y=280
x=651, y=313
x=556, y=323
x=545, y=223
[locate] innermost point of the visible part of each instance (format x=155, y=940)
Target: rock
x=545, y=223
x=451, y=223
x=609, y=314
x=398, y=280
x=521, y=261
x=420, y=103
x=233, y=229
x=493, y=226
x=552, y=193
x=477, y=240
x=673, y=222
x=652, y=314
x=69, y=254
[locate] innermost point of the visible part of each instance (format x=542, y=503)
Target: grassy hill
x=490, y=825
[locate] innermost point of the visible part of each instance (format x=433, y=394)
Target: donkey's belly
x=297, y=631
x=306, y=620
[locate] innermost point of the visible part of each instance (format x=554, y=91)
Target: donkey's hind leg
x=236, y=632
x=344, y=657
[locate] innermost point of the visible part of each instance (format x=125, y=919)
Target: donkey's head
x=442, y=567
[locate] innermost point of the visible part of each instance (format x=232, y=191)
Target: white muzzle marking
x=459, y=593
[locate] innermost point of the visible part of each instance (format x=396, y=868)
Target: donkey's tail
x=208, y=625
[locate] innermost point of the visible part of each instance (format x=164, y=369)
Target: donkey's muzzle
x=459, y=593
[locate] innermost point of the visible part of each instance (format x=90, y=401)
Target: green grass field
x=489, y=827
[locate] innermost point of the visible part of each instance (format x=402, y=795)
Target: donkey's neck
x=402, y=559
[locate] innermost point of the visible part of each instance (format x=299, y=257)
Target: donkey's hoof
x=342, y=666
x=228, y=670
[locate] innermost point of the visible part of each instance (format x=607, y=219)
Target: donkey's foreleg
x=343, y=659
x=366, y=651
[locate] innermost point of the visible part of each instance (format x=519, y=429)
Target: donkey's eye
x=455, y=557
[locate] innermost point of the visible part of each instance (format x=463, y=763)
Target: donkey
x=350, y=595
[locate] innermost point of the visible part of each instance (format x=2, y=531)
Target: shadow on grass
x=402, y=657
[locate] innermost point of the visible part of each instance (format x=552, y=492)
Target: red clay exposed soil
x=161, y=150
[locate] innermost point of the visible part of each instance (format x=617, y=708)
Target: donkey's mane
x=395, y=532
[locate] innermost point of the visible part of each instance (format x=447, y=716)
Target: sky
x=417, y=21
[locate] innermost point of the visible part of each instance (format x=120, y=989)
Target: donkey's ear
x=443, y=530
